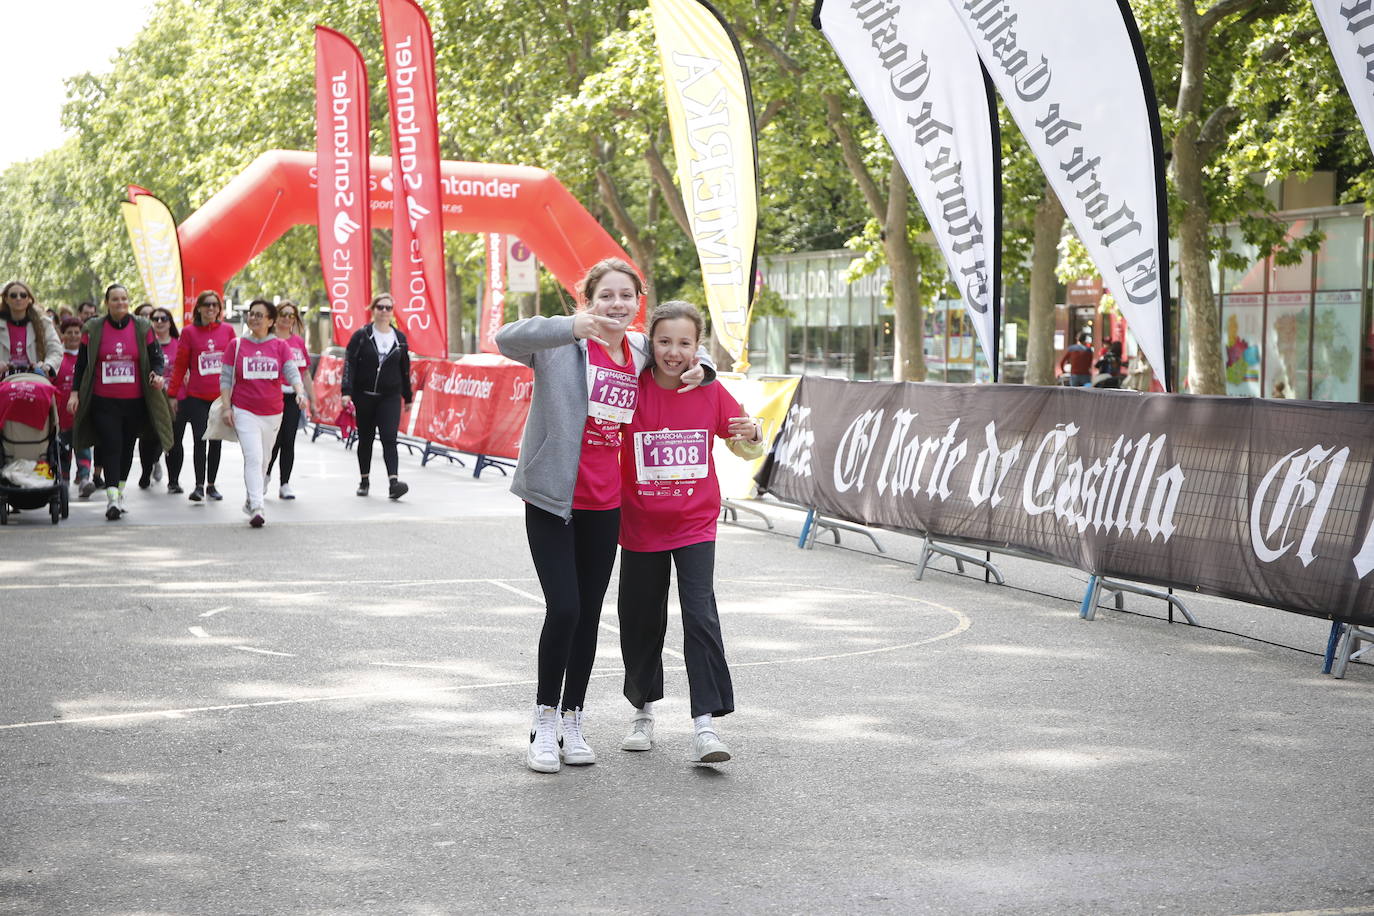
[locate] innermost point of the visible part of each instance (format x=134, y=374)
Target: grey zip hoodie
x=551, y=447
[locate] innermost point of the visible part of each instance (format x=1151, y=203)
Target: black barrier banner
x=1263, y=501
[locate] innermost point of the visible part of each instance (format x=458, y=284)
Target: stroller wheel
x=55, y=511
x=65, y=501
x=4, y=512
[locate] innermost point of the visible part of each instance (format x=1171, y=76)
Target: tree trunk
x=529, y=305
x=908, y=357
x=1049, y=228
x=1190, y=149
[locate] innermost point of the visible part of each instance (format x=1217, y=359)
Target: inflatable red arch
x=277, y=192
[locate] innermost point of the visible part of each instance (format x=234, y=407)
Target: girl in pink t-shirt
x=670, y=499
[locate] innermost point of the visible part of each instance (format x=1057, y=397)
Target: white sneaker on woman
x=286, y=492
x=572, y=745
x=542, y=756
x=708, y=748
x=641, y=736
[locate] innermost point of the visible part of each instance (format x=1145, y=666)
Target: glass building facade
x=1292, y=331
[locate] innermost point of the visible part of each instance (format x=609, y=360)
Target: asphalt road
x=328, y=715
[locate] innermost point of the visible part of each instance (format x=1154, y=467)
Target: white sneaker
x=256, y=518
x=119, y=503
x=572, y=746
x=708, y=748
x=286, y=492
x=157, y=472
x=247, y=507
x=542, y=757
x=641, y=736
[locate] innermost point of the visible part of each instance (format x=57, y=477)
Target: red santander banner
x=476, y=405
x=417, y=254
x=344, y=226
x=494, y=299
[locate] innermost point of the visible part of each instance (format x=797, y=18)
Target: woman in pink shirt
x=255, y=368
x=289, y=328
x=118, y=392
x=66, y=374
x=194, y=382
x=149, y=448
x=670, y=500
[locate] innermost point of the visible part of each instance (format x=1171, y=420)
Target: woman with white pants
x=255, y=368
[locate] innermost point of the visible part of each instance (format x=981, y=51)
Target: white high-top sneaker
x=572, y=745
x=542, y=757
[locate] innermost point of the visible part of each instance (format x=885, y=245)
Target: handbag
x=216, y=427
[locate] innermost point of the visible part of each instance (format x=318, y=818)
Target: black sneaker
x=362, y=487
x=197, y=494
x=174, y=487
x=214, y=494
x=112, y=512
x=397, y=489
x=85, y=489
x=145, y=482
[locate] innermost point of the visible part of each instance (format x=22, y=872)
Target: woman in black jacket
x=376, y=379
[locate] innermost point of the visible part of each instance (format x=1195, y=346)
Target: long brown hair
x=40, y=343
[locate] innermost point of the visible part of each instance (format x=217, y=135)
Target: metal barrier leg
x=1088, y=609
x=925, y=558
x=1331, y=642
x=806, y=528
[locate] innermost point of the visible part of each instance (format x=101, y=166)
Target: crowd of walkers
x=617, y=452
x=129, y=381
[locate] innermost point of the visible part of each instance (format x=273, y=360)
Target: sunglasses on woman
x=384, y=308
x=17, y=294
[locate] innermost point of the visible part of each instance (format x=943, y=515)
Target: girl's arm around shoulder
x=520, y=340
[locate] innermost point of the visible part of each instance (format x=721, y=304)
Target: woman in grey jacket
x=586, y=369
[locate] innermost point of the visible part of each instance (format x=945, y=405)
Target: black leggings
x=643, y=611
x=150, y=452
x=196, y=413
x=117, y=422
x=573, y=560
x=286, y=437
x=379, y=415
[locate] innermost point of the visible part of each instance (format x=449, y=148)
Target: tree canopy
x=573, y=86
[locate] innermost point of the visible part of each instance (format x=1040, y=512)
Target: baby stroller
x=30, y=462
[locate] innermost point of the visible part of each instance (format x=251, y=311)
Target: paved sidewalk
x=328, y=715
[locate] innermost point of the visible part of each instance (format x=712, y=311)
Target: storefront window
x=1249, y=279
x=1242, y=340
x=1294, y=277
x=1341, y=258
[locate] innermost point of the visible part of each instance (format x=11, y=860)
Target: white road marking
x=262, y=651
x=411, y=665
x=198, y=633
x=537, y=599
x=215, y=611
x=1339, y=911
